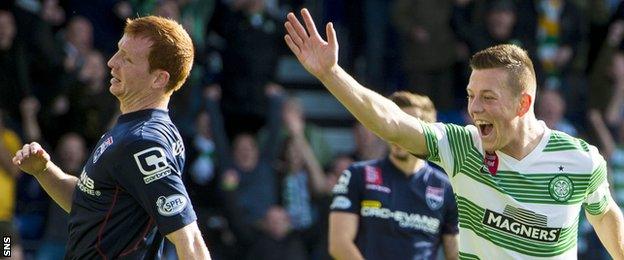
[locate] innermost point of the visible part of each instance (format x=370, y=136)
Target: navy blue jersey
x=400, y=217
x=130, y=193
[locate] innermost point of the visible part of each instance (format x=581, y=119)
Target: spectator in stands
x=293, y=111
x=9, y=144
x=35, y=21
x=603, y=76
x=428, y=51
x=253, y=43
x=85, y=105
x=556, y=28
x=78, y=42
x=249, y=181
x=278, y=241
x=551, y=108
x=14, y=70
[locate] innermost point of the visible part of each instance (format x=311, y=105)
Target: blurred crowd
x=258, y=172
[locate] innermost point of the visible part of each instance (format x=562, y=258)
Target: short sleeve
x=448, y=145
x=451, y=224
x=598, y=195
x=346, y=193
x=151, y=174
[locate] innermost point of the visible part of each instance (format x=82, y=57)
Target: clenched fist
x=32, y=159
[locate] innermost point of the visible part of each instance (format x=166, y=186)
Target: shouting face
x=493, y=108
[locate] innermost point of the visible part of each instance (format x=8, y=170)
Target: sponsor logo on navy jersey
x=153, y=164
x=373, y=175
x=434, y=197
x=171, y=205
x=100, y=150
x=87, y=185
x=404, y=219
x=340, y=202
x=342, y=186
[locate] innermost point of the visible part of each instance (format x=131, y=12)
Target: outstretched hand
x=315, y=54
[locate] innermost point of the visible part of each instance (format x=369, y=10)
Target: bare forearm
x=345, y=250
x=613, y=113
x=610, y=230
x=189, y=244
x=58, y=184
x=374, y=111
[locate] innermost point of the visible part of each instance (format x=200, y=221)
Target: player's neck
x=409, y=166
x=529, y=135
x=143, y=103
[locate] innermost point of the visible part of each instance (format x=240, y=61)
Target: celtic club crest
x=561, y=188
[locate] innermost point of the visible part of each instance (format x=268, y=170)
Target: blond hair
x=515, y=60
x=172, y=49
x=425, y=110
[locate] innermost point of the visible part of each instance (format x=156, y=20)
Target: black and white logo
x=342, y=186
x=522, y=223
x=152, y=163
x=171, y=205
x=6, y=246
x=340, y=202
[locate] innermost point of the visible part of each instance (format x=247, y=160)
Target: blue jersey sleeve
x=150, y=172
x=347, y=192
x=451, y=225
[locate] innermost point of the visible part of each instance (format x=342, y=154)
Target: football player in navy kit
x=398, y=207
x=130, y=195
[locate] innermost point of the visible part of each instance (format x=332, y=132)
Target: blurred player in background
x=363, y=222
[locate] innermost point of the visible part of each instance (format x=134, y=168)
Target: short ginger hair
x=172, y=48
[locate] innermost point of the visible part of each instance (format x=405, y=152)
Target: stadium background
x=54, y=81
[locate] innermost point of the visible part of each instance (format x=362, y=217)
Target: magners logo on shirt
x=522, y=223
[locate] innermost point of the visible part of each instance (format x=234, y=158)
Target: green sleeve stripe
x=432, y=142
x=466, y=256
x=597, y=208
x=597, y=177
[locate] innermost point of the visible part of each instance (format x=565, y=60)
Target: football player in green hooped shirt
x=519, y=185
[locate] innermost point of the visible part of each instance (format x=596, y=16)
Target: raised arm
x=35, y=161
x=607, y=143
x=212, y=95
x=377, y=113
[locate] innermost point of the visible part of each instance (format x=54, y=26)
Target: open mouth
x=485, y=128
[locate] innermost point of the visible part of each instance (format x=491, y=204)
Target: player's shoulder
x=560, y=142
x=563, y=147
x=436, y=173
x=360, y=165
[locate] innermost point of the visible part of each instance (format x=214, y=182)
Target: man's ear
x=525, y=104
x=162, y=79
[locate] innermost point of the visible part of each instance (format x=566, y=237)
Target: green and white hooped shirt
x=529, y=208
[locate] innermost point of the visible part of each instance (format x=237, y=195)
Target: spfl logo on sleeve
x=171, y=205
x=152, y=162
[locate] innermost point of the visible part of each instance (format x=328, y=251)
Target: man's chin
x=400, y=157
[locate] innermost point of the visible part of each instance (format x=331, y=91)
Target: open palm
x=315, y=54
